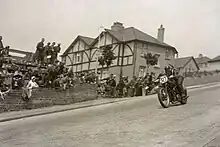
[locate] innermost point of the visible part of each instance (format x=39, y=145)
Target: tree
x=151, y=60
x=107, y=57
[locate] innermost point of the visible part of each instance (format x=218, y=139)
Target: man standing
x=56, y=52
x=53, y=53
x=48, y=51
x=40, y=51
x=1, y=46
x=113, y=86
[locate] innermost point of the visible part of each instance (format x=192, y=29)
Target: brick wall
x=46, y=97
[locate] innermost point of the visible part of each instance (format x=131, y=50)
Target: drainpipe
x=122, y=61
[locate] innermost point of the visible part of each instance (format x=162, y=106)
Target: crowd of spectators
x=126, y=87
x=47, y=54
x=47, y=73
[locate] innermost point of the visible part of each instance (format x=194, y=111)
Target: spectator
x=120, y=87
x=125, y=91
x=56, y=52
x=52, y=61
x=48, y=51
x=138, y=87
x=40, y=52
x=131, y=86
x=27, y=93
x=6, y=51
x=1, y=44
x=17, y=81
x=113, y=86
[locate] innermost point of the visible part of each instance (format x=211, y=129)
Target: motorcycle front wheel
x=163, y=98
x=184, y=98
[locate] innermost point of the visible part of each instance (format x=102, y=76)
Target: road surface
x=139, y=122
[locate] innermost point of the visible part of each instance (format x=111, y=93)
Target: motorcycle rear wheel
x=162, y=96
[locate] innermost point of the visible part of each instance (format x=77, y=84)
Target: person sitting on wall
x=17, y=80
x=5, y=51
x=4, y=87
x=27, y=91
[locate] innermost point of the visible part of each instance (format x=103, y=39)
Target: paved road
x=140, y=122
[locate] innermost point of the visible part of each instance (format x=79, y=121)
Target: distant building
x=203, y=62
x=186, y=65
x=214, y=64
x=22, y=59
x=20, y=56
x=128, y=44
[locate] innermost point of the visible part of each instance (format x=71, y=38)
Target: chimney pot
x=200, y=55
x=117, y=26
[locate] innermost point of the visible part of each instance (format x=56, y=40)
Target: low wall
x=46, y=97
x=202, y=80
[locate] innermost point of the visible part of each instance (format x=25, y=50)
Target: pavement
x=8, y=116
x=135, y=122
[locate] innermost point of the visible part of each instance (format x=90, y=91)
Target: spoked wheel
x=164, y=98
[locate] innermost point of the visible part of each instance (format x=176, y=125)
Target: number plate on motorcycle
x=163, y=79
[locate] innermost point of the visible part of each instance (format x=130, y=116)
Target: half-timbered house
x=128, y=44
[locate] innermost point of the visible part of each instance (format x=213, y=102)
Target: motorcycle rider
x=177, y=77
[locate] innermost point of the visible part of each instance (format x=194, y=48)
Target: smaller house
x=203, y=62
x=214, y=64
x=186, y=65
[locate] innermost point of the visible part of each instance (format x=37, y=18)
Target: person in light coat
x=31, y=84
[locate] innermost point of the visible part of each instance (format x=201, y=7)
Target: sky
x=190, y=25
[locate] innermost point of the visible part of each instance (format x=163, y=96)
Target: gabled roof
x=131, y=34
x=87, y=40
x=216, y=59
x=182, y=62
x=202, y=60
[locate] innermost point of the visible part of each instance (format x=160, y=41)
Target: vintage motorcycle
x=168, y=93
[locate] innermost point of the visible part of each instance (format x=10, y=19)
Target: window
x=78, y=57
x=167, y=54
x=128, y=60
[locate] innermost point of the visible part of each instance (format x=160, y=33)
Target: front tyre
x=163, y=98
x=184, y=98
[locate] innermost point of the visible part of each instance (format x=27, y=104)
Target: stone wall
x=47, y=97
x=202, y=80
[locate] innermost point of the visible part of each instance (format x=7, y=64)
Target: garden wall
x=202, y=80
x=43, y=97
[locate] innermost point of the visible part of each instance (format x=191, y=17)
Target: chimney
x=200, y=55
x=117, y=26
x=160, y=35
